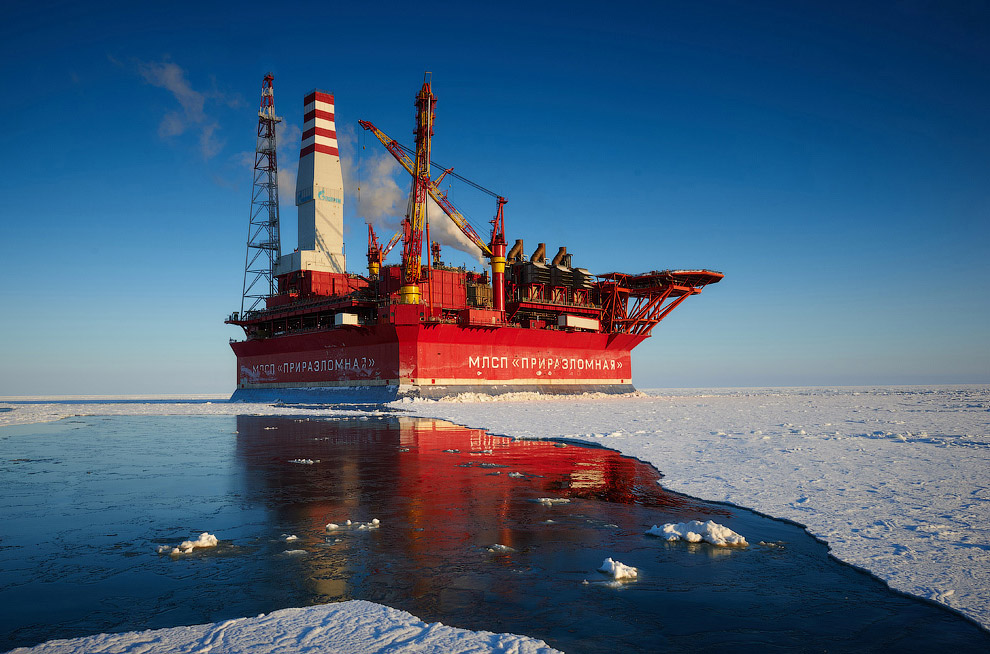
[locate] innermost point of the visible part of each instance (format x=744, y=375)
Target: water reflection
x=87, y=501
x=445, y=494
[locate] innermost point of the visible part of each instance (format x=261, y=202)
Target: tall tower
x=264, y=243
x=319, y=192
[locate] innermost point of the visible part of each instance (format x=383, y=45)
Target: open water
x=86, y=502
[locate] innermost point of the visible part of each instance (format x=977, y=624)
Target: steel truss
x=635, y=304
x=264, y=244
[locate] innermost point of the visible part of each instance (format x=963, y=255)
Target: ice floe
x=187, y=546
x=618, y=571
x=695, y=531
x=354, y=525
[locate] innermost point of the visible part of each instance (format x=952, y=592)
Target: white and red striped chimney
x=319, y=190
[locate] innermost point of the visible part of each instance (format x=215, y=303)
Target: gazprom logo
x=327, y=197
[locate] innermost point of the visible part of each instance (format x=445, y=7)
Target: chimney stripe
x=318, y=113
x=321, y=96
x=319, y=131
x=316, y=147
x=322, y=140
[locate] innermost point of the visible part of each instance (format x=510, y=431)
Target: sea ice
x=358, y=526
x=696, y=531
x=352, y=627
x=185, y=547
x=618, y=571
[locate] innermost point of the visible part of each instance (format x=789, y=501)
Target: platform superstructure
x=421, y=328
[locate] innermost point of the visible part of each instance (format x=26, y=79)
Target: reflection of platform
x=565, y=471
x=444, y=494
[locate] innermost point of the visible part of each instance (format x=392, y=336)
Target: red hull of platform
x=418, y=357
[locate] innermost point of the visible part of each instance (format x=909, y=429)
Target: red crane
x=376, y=253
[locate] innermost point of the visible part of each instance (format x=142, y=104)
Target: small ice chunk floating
x=187, y=546
x=618, y=571
x=696, y=531
x=354, y=525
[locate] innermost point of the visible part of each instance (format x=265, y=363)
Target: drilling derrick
x=263, y=244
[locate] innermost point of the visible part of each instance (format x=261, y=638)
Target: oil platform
x=314, y=332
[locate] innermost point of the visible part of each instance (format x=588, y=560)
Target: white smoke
x=379, y=198
x=444, y=231
x=380, y=190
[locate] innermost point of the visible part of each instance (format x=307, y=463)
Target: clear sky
x=830, y=158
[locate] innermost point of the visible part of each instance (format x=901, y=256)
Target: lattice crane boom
x=433, y=189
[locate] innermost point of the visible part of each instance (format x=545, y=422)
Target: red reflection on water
x=432, y=472
x=444, y=495
x=425, y=451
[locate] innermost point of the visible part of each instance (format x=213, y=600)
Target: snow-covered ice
x=187, y=546
x=618, y=571
x=354, y=627
x=695, y=531
x=59, y=408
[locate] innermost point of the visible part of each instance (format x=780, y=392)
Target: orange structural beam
x=635, y=304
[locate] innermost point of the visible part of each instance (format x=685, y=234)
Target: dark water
x=86, y=502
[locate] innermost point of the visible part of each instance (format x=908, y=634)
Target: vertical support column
x=498, y=257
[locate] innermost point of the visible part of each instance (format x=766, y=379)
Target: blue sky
x=832, y=160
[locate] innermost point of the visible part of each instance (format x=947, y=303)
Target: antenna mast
x=263, y=245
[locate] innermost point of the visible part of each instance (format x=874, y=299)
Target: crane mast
x=412, y=254
x=424, y=188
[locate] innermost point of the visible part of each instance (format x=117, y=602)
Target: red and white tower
x=319, y=192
